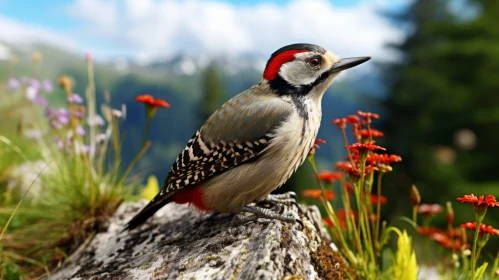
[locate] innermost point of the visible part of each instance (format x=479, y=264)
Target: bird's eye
x=314, y=62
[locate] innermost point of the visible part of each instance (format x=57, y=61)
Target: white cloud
x=15, y=32
x=152, y=28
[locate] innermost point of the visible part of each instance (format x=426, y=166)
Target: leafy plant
x=358, y=227
x=83, y=179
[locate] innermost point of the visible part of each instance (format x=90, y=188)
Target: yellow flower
x=152, y=188
x=36, y=57
x=404, y=263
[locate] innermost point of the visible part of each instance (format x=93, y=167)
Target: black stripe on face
x=281, y=87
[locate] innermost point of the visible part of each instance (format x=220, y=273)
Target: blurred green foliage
x=213, y=92
x=443, y=105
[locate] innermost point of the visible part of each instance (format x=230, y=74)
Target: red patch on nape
x=192, y=196
x=276, y=63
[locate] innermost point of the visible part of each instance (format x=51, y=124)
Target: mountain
x=178, y=80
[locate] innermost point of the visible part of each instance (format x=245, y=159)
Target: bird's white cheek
x=297, y=73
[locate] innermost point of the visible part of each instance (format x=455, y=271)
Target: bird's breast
x=293, y=140
x=288, y=149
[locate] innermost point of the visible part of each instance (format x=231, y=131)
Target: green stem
x=350, y=218
x=363, y=207
x=137, y=157
x=331, y=214
x=378, y=212
x=116, y=144
x=91, y=107
x=415, y=216
x=146, y=131
x=474, y=255
x=345, y=138
x=495, y=266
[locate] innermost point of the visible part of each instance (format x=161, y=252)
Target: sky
x=146, y=30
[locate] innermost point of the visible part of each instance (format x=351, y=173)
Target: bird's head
x=297, y=69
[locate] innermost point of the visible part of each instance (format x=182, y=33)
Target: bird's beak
x=346, y=63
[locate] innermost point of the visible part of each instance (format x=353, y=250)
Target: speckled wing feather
x=237, y=133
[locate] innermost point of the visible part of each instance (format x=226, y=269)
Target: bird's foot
x=288, y=199
x=259, y=212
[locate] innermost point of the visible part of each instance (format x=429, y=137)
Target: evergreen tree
x=443, y=103
x=213, y=92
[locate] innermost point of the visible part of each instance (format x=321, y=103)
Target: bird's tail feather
x=147, y=212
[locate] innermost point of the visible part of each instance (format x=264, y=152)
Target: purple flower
x=47, y=86
x=75, y=98
x=57, y=117
x=13, y=84
x=34, y=83
x=59, y=142
x=80, y=130
x=79, y=114
x=41, y=101
x=88, y=150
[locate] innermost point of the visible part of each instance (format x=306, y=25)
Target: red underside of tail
x=192, y=196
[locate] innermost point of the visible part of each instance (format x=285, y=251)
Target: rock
x=180, y=242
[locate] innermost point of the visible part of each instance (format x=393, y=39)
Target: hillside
x=179, y=81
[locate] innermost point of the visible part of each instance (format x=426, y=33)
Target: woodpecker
x=255, y=141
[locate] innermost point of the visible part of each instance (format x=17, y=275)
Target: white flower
x=95, y=121
x=100, y=138
x=31, y=93
x=117, y=113
x=34, y=134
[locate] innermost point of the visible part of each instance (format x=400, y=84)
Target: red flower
x=317, y=142
x=329, y=223
x=368, y=115
x=161, y=103
x=316, y=145
x=330, y=176
x=370, y=133
x=430, y=209
x=342, y=214
x=442, y=237
x=353, y=172
x=385, y=158
x=343, y=166
x=352, y=119
x=151, y=102
x=429, y=230
x=369, y=146
x=374, y=199
x=489, y=200
x=484, y=229
x=317, y=194
x=371, y=168
x=348, y=186
x=146, y=98
x=341, y=123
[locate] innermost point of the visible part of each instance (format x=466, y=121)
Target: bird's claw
x=287, y=198
x=298, y=221
x=259, y=212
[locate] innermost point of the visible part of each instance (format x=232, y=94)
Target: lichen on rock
x=180, y=242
